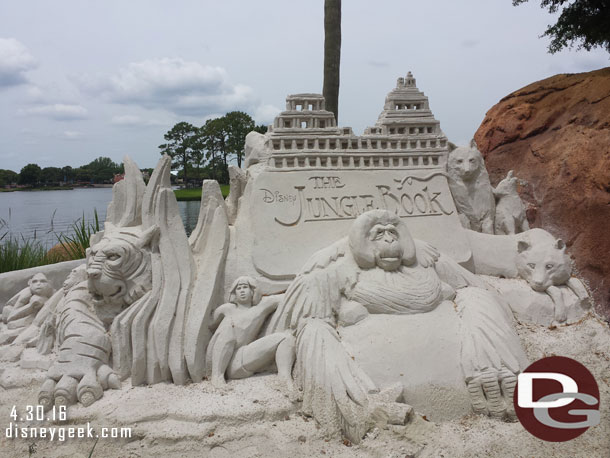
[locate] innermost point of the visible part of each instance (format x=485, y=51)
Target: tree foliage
x=103, y=169
x=100, y=170
x=51, y=175
x=8, y=177
x=30, y=175
x=582, y=22
x=206, y=152
x=179, y=145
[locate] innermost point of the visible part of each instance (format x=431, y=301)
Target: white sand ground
x=255, y=420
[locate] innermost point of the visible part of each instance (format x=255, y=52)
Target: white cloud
x=173, y=84
x=15, y=61
x=57, y=111
x=265, y=114
x=72, y=135
x=135, y=121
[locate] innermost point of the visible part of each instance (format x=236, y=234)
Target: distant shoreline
x=56, y=188
x=195, y=193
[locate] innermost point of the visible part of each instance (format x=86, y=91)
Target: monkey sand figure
x=380, y=270
x=234, y=349
x=21, y=309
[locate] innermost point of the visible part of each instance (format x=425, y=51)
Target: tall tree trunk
x=332, y=54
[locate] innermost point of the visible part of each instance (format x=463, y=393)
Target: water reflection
x=189, y=211
x=41, y=215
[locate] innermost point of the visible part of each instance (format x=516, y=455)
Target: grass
x=76, y=244
x=18, y=253
x=195, y=193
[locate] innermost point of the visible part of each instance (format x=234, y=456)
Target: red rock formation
x=555, y=134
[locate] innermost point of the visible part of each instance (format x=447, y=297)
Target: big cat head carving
x=119, y=267
x=381, y=239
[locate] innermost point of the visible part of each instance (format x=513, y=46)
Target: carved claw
x=65, y=391
x=89, y=390
x=108, y=378
x=46, y=396
x=491, y=393
x=69, y=390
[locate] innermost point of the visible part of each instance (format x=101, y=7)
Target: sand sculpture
x=346, y=262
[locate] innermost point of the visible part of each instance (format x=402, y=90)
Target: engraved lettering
x=433, y=200
x=423, y=201
x=384, y=191
x=298, y=218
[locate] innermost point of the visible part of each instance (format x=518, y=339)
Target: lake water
x=42, y=214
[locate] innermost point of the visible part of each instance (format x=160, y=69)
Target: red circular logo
x=557, y=399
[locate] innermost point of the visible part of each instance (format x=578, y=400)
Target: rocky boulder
x=555, y=134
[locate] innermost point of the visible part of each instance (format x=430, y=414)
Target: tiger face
x=119, y=270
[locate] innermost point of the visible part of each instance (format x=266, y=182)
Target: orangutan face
x=386, y=247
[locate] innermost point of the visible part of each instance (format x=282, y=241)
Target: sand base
x=253, y=419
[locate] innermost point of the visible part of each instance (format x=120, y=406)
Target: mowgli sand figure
x=234, y=349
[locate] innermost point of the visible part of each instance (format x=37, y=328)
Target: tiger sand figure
x=128, y=318
x=118, y=274
x=471, y=189
x=510, y=212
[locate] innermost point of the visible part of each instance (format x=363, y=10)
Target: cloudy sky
x=81, y=79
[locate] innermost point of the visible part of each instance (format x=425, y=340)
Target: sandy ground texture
x=253, y=419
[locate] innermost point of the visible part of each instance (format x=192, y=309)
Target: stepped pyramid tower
x=406, y=135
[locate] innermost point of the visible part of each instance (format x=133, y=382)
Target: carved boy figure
x=471, y=189
x=234, y=349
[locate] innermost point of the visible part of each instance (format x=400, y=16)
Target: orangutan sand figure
x=380, y=269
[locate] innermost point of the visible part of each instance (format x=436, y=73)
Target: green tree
x=213, y=137
x=30, y=174
x=51, y=175
x=8, y=177
x=332, y=54
x=260, y=128
x=83, y=174
x=237, y=125
x=180, y=145
x=67, y=173
x=103, y=169
x=224, y=140
x=585, y=22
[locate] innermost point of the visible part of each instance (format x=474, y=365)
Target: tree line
x=100, y=170
x=205, y=152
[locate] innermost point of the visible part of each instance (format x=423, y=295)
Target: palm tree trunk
x=332, y=54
